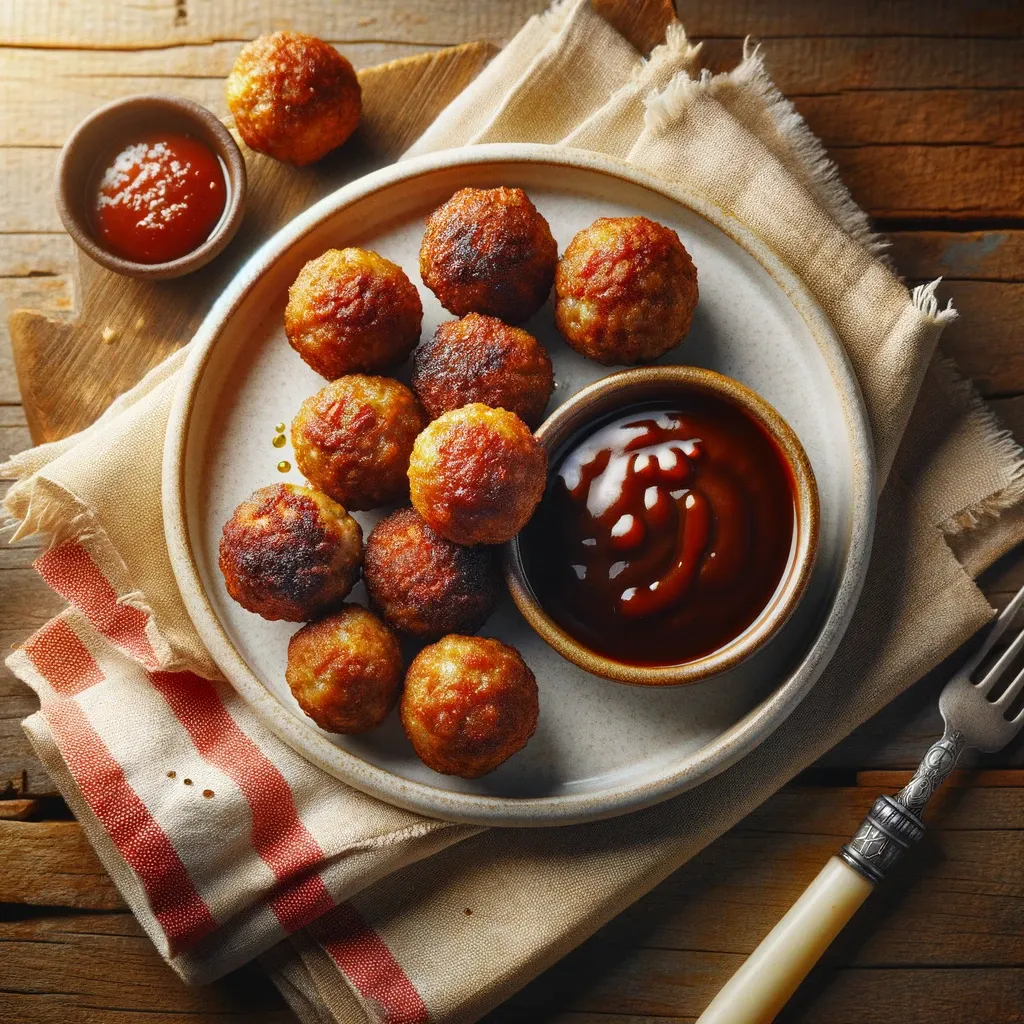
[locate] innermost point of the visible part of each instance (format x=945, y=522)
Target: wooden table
x=921, y=104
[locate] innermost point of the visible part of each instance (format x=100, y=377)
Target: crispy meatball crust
x=425, y=585
x=489, y=251
x=352, y=311
x=293, y=97
x=469, y=704
x=476, y=474
x=290, y=553
x=353, y=438
x=481, y=359
x=625, y=291
x=345, y=671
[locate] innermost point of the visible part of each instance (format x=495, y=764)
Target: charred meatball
x=476, y=474
x=625, y=291
x=293, y=97
x=290, y=553
x=489, y=251
x=481, y=359
x=352, y=311
x=353, y=438
x=425, y=585
x=469, y=704
x=345, y=671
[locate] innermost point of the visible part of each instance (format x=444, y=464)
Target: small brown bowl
x=115, y=123
x=649, y=384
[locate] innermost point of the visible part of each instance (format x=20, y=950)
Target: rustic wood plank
x=987, y=339
x=601, y=979
x=801, y=65
x=127, y=25
x=19, y=810
x=51, y=864
x=954, y=182
x=101, y=968
x=967, y=255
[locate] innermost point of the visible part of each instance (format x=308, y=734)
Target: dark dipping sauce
x=664, y=532
x=158, y=198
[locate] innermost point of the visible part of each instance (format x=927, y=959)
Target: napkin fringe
x=677, y=45
x=43, y=509
x=1003, y=447
x=667, y=105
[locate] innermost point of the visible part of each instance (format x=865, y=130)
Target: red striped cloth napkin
x=217, y=833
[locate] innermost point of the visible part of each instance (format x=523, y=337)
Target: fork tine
x=1000, y=625
x=1004, y=662
x=1006, y=697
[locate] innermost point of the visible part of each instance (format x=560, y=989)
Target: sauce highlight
x=158, y=198
x=663, y=533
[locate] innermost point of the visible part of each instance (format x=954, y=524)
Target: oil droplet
x=280, y=441
x=172, y=775
x=279, y=428
x=283, y=466
x=207, y=793
x=188, y=782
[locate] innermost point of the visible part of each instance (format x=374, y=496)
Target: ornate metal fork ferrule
x=894, y=824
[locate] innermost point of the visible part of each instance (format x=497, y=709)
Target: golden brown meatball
x=469, y=704
x=476, y=474
x=352, y=311
x=625, y=291
x=293, y=97
x=489, y=251
x=345, y=670
x=425, y=585
x=353, y=438
x=290, y=553
x=481, y=359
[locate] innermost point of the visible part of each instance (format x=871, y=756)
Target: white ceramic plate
x=601, y=748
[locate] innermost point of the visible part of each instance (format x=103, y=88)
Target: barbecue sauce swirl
x=663, y=533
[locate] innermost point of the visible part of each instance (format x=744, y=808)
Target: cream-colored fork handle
x=772, y=973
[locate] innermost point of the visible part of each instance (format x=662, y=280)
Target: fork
x=972, y=718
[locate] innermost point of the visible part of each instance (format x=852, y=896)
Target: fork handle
x=773, y=972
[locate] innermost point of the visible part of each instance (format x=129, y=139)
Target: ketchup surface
x=663, y=533
x=159, y=198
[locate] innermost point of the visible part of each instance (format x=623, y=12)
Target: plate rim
x=738, y=740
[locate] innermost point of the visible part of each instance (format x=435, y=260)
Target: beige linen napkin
x=951, y=476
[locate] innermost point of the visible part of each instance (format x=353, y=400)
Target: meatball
x=293, y=97
x=476, y=474
x=290, y=553
x=345, y=671
x=481, y=359
x=353, y=438
x=352, y=311
x=625, y=291
x=489, y=251
x=469, y=704
x=425, y=585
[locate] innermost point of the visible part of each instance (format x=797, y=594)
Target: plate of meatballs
x=486, y=436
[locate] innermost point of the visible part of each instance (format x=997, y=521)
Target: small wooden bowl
x=618, y=392
x=115, y=123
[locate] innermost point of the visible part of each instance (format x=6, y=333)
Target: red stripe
x=62, y=659
x=369, y=965
x=278, y=834
x=142, y=843
x=70, y=570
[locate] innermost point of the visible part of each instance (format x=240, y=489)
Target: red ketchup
x=663, y=533
x=159, y=198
